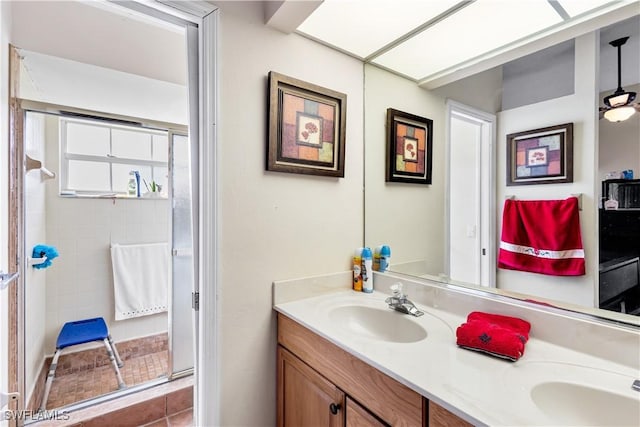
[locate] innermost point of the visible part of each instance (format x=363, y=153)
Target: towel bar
x=576, y=195
x=36, y=261
x=37, y=164
x=7, y=278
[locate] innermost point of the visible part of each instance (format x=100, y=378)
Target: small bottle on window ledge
x=132, y=187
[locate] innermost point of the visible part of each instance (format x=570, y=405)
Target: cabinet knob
x=334, y=408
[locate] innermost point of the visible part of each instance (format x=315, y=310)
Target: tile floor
x=181, y=419
x=75, y=387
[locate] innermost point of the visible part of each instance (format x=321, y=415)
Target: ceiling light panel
x=479, y=28
x=578, y=7
x=361, y=27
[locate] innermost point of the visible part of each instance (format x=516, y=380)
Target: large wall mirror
x=452, y=227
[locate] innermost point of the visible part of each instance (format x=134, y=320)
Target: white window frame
x=108, y=158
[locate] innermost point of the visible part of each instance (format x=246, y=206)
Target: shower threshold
x=138, y=405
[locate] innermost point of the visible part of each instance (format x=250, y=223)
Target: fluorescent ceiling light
x=473, y=31
x=361, y=27
x=577, y=7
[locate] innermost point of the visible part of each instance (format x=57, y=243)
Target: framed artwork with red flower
x=540, y=156
x=409, y=148
x=306, y=127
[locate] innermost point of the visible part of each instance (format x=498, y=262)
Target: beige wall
x=273, y=225
x=482, y=91
x=94, y=35
x=407, y=217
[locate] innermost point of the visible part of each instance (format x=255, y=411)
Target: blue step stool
x=81, y=332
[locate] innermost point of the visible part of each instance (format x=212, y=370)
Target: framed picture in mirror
x=540, y=156
x=306, y=128
x=409, y=148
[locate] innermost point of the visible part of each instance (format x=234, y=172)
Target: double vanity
x=347, y=358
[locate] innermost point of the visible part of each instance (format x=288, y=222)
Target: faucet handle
x=396, y=288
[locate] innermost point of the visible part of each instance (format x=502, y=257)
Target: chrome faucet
x=399, y=302
x=636, y=385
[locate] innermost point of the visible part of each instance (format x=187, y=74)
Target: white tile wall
x=35, y=233
x=80, y=284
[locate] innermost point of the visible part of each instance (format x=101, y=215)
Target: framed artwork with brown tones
x=540, y=156
x=409, y=148
x=306, y=127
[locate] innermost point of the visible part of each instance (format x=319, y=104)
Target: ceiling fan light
x=619, y=114
x=618, y=99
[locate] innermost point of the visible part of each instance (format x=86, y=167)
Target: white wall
x=60, y=81
x=5, y=31
x=397, y=212
x=273, y=225
x=85, y=32
x=619, y=146
x=35, y=289
x=554, y=66
x=80, y=281
x=482, y=91
x=573, y=108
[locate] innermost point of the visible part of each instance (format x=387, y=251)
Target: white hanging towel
x=140, y=279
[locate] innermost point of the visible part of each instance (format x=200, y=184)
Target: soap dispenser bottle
x=367, y=270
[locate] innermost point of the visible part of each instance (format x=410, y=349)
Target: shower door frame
x=28, y=106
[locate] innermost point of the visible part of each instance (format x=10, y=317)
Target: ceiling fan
x=619, y=106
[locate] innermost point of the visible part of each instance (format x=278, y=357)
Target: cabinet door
x=440, y=417
x=305, y=398
x=357, y=416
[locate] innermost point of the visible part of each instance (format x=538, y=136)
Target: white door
x=470, y=195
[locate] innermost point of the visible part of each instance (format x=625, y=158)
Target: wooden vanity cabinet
x=357, y=416
x=319, y=384
x=310, y=400
x=307, y=398
x=440, y=417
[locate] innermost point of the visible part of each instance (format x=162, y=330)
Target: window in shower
x=97, y=157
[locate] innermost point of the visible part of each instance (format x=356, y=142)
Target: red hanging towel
x=542, y=236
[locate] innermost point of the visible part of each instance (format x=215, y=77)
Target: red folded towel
x=498, y=335
x=542, y=236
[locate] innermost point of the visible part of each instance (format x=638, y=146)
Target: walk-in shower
x=115, y=262
x=85, y=123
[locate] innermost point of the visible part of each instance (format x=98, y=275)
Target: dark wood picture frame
x=409, y=148
x=540, y=156
x=307, y=126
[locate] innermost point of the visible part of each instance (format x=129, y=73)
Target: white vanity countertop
x=477, y=387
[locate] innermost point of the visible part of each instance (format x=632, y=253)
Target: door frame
x=15, y=310
x=488, y=135
x=201, y=20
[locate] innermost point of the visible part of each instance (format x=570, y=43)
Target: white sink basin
x=378, y=323
x=569, y=394
x=577, y=404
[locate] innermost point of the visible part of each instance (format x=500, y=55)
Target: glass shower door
x=182, y=315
